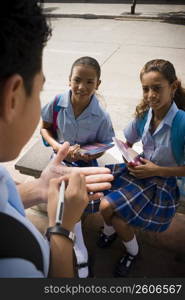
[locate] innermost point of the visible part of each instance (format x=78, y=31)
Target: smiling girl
x=81, y=119
x=146, y=196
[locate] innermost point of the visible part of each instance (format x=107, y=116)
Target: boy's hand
x=97, y=178
x=56, y=147
x=76, y=199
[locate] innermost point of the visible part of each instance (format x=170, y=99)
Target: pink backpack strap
x=56, y=109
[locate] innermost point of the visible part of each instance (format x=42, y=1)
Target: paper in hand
x=129, y=154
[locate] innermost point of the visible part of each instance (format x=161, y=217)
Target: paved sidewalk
x=173, y=13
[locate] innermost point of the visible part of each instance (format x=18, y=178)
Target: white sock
x=80, y=250
x=108, y=230
x=132, y=246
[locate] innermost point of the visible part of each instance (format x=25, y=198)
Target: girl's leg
x=108, y=234
x=108, y=230
x=81, y=251
x=107, y=211
x=126, y=233
x=128, y=237
x=115, y=223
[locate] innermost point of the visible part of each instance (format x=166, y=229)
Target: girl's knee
x=104, y=205
x=106, y=210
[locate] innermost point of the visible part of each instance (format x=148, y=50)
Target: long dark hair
x=167, y=69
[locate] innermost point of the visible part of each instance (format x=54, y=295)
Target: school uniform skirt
x=146, y=203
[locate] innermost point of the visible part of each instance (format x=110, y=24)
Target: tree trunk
x=133, y=7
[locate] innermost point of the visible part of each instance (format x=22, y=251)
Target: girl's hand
x=77, y=155
x=87, y=157
x=97, y=178
x=84, y=157
x=73, y=153
x=95, y=156
x=147, y=169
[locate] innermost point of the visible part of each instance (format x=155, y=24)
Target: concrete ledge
x=34, y=160
x=173, y=239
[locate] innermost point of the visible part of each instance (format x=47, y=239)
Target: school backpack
x=177, y=134
x=56, y=109
x=177, y=139
x=17, y=241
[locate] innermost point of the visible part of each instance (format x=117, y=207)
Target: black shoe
x=124, y=265
x=106, y=240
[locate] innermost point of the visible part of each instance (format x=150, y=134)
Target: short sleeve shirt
x=156, y=146
x=11, y=204
x=92, y=125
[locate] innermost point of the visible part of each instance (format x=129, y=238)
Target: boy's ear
x=11, y=97
x=98, y=84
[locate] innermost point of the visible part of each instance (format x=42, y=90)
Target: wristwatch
x=57, y=229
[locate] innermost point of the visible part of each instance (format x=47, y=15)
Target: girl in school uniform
x=146, y=195
x=80, y=120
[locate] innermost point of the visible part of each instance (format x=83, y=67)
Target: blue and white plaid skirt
x=146, y=203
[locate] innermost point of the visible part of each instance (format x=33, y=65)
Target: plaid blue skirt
x=146, y=203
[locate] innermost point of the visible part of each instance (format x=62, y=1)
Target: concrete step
x=161, y=254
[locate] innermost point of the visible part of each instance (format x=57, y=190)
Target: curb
x=127, y=17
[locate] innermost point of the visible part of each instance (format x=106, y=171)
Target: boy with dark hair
x=24, y=252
